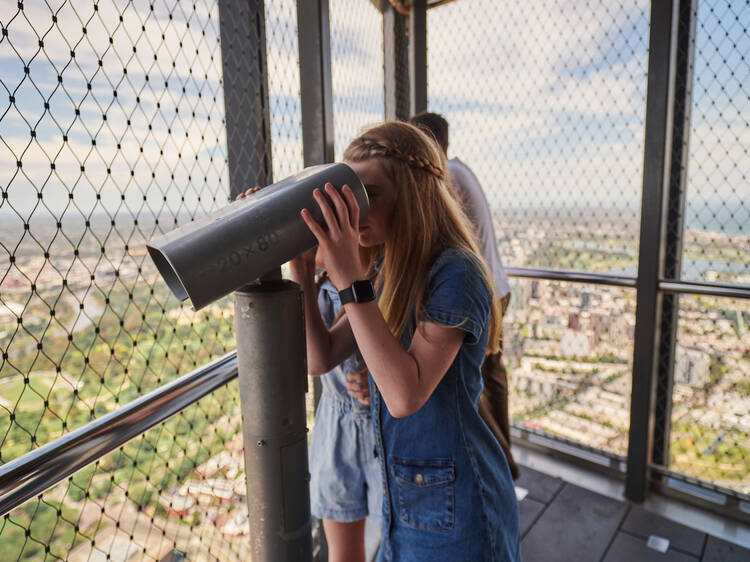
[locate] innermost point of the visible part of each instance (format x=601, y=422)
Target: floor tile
x=530, y=509
x=718, y=550
x=627, y=548
x=643, y=523
x=541, y=487
x=577, y=526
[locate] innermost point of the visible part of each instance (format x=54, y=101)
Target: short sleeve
x=457, y=295
x=328, y=303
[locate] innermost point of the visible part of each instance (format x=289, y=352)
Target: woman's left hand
x=358, y=387
x=339, y=242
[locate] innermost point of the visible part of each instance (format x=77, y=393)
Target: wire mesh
x=717, y=214
x=356, y=68
x=710, y=432
x=546, y=102
x=178, y=488
x=282, y=55
x=569, y=350
x=114, y=120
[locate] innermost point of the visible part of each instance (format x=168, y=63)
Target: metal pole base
x=270, y=332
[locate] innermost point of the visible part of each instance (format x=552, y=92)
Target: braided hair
x=388, y=150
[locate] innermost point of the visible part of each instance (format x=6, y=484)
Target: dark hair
x=434, y=125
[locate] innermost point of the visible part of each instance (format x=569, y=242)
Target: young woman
x=448, y=493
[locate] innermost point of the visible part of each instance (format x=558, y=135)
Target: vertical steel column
x=418, y=57
x=316, y=92
x=396, y=65
x=656, y=170
x=243, y=54
x=268, y=316
x=270, y=334
x=315, y=81
x=674, y=226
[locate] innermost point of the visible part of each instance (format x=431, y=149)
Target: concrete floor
x=569, y=515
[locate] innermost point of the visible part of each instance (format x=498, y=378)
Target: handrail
x=571, y=276
x=704, y=288
x=33, y=473
x=727, y=290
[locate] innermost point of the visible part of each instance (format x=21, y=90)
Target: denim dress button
x=418, y=479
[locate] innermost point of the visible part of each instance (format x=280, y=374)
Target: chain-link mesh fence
x=717, y=214
x=546, y=102
x=569, y=350
x=178, y=487
x=114, y=127
x=547, y=106
x=710, y=433
x=284, y=87
x=356, y=68
x=114, y=122
x=710, y=417
x=114, y=116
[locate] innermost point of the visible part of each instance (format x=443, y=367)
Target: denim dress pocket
x=425, y=492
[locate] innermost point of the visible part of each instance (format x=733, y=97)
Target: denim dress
x=448, y=492
x=345, y=482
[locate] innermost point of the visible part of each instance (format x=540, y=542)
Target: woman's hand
x=339, y=242
x=358, y=387
x=247, y=192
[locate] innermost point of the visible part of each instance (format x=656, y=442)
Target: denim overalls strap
x=448, y=491
x=334, y=382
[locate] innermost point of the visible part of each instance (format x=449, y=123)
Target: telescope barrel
x=221, y=252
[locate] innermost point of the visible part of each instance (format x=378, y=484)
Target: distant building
x=585, y=300
x=621, y=330
x=599, y=326
x=692, y=367
x=576, y=344
x=574, y=321
x=177, y=505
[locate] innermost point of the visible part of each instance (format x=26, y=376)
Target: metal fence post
x=316, y=93
x=395, y=65
x=675, y=215
x=656, y=172
x=269, y=326
x=418, y=57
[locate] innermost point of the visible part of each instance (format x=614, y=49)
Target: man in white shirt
x=493, y=404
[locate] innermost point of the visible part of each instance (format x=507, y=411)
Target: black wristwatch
x=360, y=291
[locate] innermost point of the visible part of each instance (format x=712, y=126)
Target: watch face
x=363, y=291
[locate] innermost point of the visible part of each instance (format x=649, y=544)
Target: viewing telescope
x=221, y=252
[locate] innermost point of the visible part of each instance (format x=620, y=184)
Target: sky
x=546, y=102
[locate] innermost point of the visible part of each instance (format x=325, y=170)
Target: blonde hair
x=427, y=219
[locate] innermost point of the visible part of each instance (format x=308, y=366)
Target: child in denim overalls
x=448, y=492
x=345, y=483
